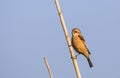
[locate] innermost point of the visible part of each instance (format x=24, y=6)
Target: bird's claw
x=73, y=57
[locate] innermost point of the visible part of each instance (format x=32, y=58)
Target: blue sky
x=31, y=29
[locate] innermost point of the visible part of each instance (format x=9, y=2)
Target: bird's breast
x=77, y=43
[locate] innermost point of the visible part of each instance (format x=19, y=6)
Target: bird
x=80, y=46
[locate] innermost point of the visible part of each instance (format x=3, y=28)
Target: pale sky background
x=31, y=29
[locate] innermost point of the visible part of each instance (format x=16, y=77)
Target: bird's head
x=76, y=32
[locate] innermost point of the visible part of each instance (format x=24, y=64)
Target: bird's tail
x=90, y=63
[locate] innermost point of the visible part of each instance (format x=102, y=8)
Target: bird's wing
x=82, y=38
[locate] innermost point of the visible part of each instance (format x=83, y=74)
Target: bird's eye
x=75, y=31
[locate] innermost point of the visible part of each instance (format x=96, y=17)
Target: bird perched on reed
x=79, y=44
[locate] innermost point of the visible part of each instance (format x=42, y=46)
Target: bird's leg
x=77, y=55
